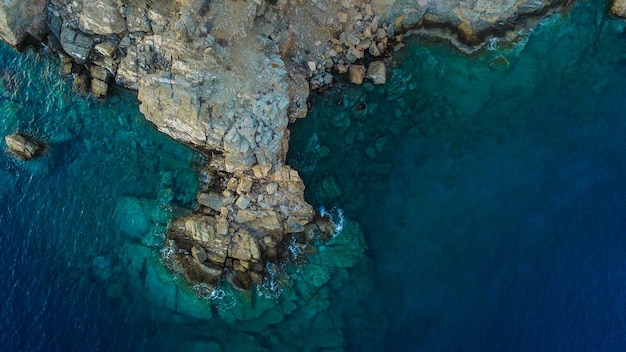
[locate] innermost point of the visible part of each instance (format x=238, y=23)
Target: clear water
x=492, y=202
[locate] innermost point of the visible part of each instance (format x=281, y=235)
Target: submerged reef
x=226, y=78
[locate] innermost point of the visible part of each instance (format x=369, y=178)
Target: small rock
x=373, y=50
x=381, y=33
x=98, y=72
x=367, y=32
x=342, y=17
x=341, y=69
x=272, y=188
x=377, y=72
x=23, y=146
x=619, y=8
x=352, y=39
x=81, y=84
x=312, y=65
x=243, y=202
x=499, y=63
x=105, y=49
x=356, y=73
x=374, y=25
x=357, y=53
x=365, y=43
x=99, y=88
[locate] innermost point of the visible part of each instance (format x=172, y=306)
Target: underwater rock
x=499, y=62
x=23, y=146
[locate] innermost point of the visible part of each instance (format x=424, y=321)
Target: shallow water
x=491, y=199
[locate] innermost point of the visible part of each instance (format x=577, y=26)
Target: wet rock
x=80, y=84
x=377, y=72
x=356, y=73
x=23, y=146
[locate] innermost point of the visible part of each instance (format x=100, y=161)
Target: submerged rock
x=23, y=146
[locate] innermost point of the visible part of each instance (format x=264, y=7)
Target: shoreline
x=254, y=205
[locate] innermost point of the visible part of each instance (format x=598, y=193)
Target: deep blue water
x=491, y=197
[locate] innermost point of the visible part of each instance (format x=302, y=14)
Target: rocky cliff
x=226, y=77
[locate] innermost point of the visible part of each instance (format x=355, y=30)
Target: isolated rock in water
x=23, y=146
x=619, y=8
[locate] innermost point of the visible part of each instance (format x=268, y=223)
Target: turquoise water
x=491, y=198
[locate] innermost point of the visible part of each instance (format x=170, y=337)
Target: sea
x=479, y=202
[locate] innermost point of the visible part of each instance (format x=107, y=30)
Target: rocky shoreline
x=226, y=78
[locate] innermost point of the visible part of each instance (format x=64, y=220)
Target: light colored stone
x=342, y=17
x=272, y=188
x=243, y=202
x=618, y=8
x=356, y=73
x=373, y=50
x=101, y=17
x=377, y=72
x=99, y=88
x=23, y=146
x=105, y=48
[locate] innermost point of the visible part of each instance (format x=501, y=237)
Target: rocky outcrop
x=246, y=220
x=23, y=146
x=226, y=77
x=22, y=18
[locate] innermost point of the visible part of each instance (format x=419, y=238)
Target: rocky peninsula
x=227, y=77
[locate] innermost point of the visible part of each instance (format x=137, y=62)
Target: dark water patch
x=489, y=196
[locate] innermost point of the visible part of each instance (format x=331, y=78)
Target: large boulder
x=21, y=18
x=23, y=146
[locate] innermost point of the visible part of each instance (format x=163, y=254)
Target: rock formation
x=23, y=146
x=226, y=77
